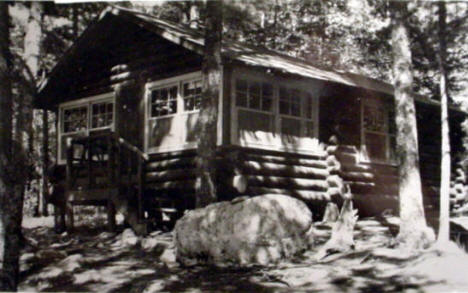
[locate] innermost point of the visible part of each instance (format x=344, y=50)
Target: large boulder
x=262, y=229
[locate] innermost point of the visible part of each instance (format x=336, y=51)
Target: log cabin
x=127, y=95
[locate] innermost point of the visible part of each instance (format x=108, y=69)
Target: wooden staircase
x=104, y=169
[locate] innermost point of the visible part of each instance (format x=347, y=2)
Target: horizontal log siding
x=300, y=176
x=171, y=176
x=374, y=186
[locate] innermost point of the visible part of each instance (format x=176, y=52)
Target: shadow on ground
x=99, y=261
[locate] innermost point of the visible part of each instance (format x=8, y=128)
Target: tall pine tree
x=414, y=233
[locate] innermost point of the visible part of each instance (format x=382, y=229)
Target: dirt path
x=94, y=260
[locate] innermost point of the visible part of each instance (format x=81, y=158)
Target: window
x=192, y=95
x=270, y=115
x=290, y=102
x=254, y=95
x=75, y=119
x=172, y=113
x=164, y=101
x=378, y=131
x=255, y=102
x=79, y=118
x=102, y=115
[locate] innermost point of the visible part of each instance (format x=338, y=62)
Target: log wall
x=375, y=186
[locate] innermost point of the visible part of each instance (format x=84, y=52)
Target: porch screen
x=173, y=114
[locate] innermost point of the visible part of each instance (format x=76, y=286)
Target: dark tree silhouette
x=10, y=199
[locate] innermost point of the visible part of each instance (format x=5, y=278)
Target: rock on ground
x=262, y=229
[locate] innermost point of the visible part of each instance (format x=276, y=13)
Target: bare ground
x=94, y=260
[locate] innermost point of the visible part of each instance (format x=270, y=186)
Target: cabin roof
x=193, y=39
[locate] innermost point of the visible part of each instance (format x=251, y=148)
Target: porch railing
x=103, y=161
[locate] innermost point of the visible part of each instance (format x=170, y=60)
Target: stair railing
x=107, y=149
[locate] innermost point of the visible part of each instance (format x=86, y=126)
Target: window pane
x=375, y=145
x=254, y=95
x=267, y=104
x=374, y=118
x=163, y=101
x=241, y=99
x=254, y=121
x=192, y=95
x=295, y=109
x=267, y=90
x=267, y=97
x=291, y=127
x=241, y=85
x=254, y=102
x=308, y=111
x=101, y=114
x=284, y=107
x=75, y=119
x=309, y=129
x=172, y=107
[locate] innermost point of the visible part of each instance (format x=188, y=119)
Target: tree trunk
x=414, y=233
x=206, y=192
x=342, y=237
x=10, y=225
x=32, y=45
x=45, y=162
x=444, y=233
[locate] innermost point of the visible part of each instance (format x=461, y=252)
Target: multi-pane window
x=192, y=95
x=271, y=115
x=164, y=101
x=82, y=118
x=102, y=114
x=254, y=95
x=378, y=130
x=75, y=119
x=290, y=102
x=172, y=112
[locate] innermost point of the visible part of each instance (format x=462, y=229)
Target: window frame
x=307, y=89
x=87, y=102
x=364, y=157
x=179, y=81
